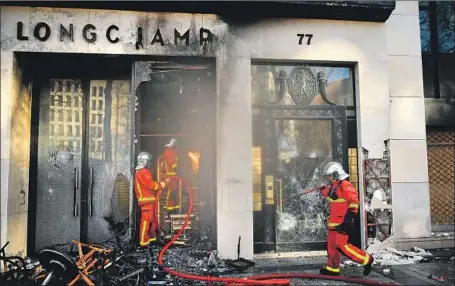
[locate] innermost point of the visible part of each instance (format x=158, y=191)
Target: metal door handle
x=92, y=184
x=76, y=186
x=269, y=190
x=280, y=195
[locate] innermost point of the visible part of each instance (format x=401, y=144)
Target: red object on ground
x=267, y=279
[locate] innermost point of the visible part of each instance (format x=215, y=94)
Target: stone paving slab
x=411, y=274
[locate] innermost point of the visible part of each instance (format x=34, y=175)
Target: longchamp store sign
x=90, y=33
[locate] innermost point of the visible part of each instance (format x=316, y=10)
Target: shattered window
x=300, y=115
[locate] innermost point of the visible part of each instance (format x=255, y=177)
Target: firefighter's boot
x=367, y=268
x=325, y=271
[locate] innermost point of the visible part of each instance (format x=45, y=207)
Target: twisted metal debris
x=124, y=265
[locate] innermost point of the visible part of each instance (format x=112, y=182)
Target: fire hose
x=267, y=279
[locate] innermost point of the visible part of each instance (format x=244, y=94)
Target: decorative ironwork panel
x=441, y=154
x=65, y=119
x=96, y=119
x=299, y=85
x=302, y=85
x=337, y=114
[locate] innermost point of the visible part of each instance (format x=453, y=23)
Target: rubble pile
x=123, y=264
x=386, y=254
x=197, y=260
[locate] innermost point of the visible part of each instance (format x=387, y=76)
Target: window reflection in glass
x=446, y=26
x=425, y=38
x=447, y=75
x=428, y=73
x=266, y=84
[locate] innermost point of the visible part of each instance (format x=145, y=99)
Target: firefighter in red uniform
x=170, y=165
x=344, y=207
x=145, y=188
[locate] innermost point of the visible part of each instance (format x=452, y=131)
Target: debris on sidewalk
x=437, y=278
x=386, y=255
x=113, y=263
x=443, y=234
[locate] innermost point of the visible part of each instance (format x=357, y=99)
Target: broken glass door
x=58, y=205
x=304, y=148
x=290, y=149
x=84, y=155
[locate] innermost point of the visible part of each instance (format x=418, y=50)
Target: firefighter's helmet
x=335, y=170
x=144, y=160
x=171, y=143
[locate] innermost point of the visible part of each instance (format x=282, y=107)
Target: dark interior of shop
x=179, y=102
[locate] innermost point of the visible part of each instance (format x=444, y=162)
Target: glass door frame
x=84, y=68
x=338, y=117
x=41, y=84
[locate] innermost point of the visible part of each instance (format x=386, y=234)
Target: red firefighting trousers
x=148, y=227
x=337, y=243
x=173, y=194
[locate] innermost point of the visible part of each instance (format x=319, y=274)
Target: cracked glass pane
x=304, y=148
x=299, y=125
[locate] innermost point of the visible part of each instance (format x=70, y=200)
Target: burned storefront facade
x=257, y=109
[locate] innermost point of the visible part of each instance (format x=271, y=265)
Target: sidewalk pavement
x=410, y=274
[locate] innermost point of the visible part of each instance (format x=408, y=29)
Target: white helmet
x=335, y=170
x=144, y=160
x=171, y=143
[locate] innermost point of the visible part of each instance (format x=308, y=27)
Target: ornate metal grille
x=65, y=115
x=441, y=154
x=96, y=120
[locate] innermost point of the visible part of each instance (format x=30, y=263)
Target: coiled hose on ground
x=266, y=279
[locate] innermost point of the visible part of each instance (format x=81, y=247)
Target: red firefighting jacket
x=171, y=161
x=348, y=198
x=145, y=187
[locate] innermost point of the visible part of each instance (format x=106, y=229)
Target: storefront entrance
x=294, y=150
x=89, y=123
x=176, y=100
x=81, y=152
x=293, y=139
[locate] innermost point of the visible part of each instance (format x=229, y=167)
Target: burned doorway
x=301, y=121
x=80, y=156
x=177, y=100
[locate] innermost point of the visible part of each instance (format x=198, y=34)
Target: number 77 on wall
x=303, y=36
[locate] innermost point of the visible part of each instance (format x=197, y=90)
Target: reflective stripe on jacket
x=171, y=161
x=145, y=186
x=348, y=198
